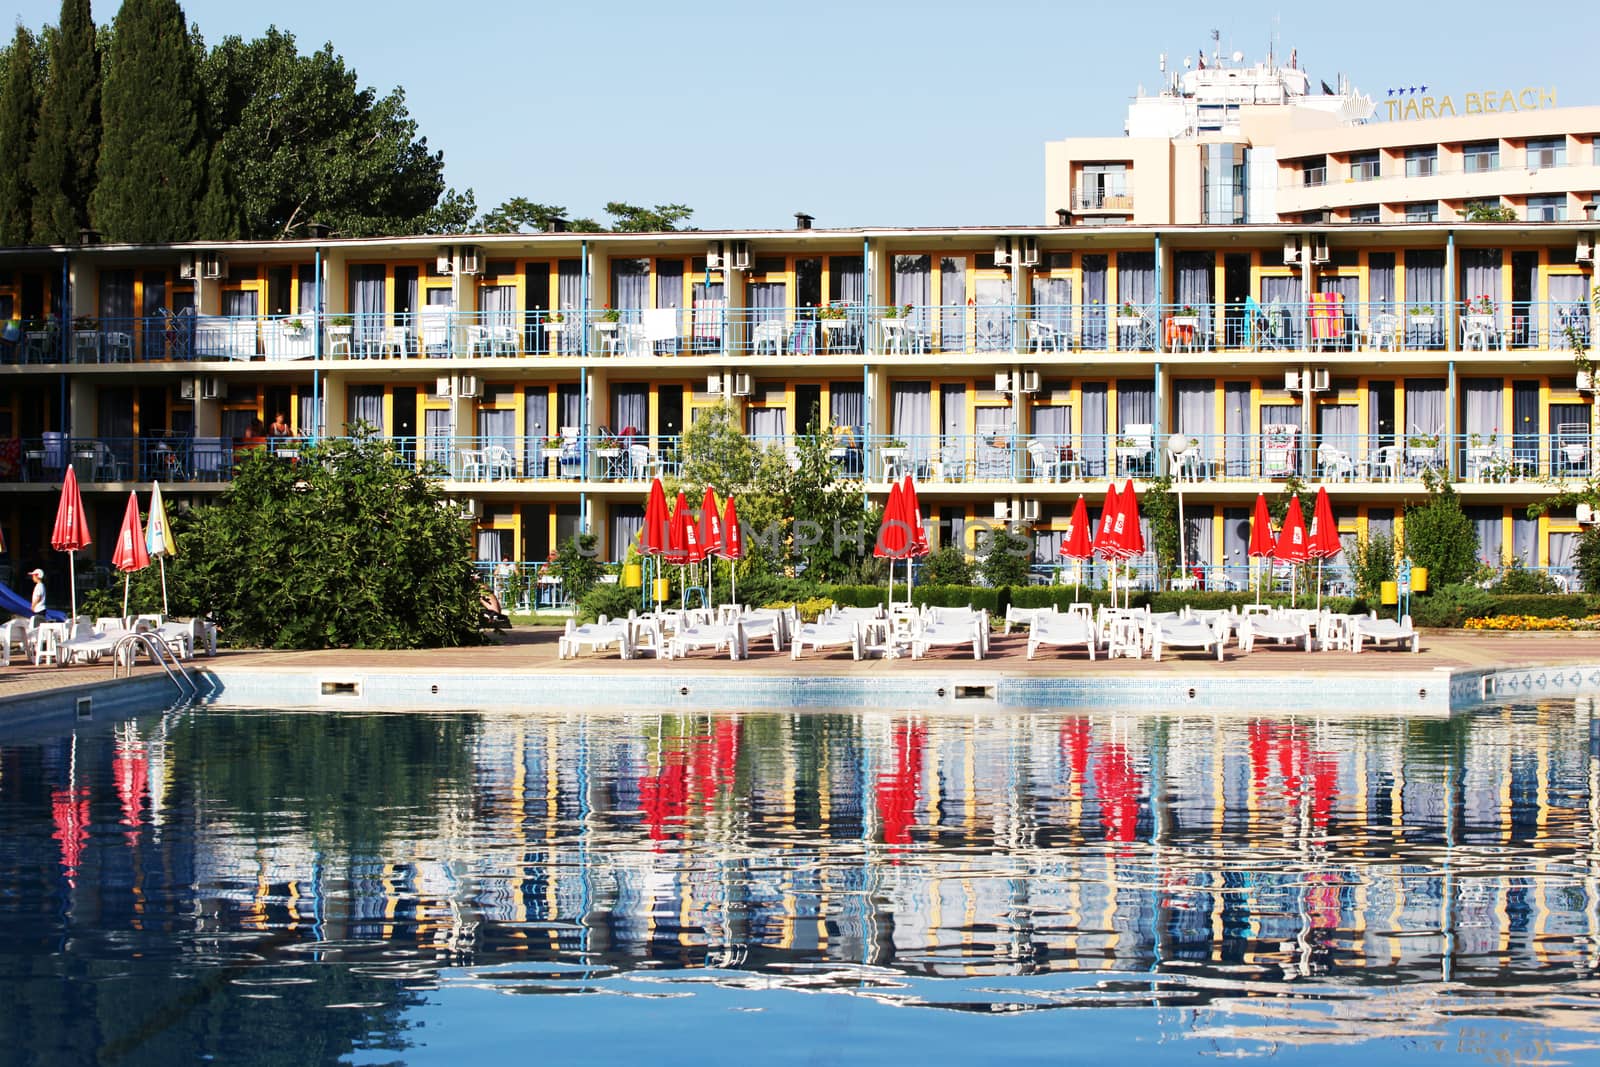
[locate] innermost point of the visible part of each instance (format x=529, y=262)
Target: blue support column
x=1450, y=297
x=318, y=317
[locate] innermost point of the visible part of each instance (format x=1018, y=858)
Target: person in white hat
x=37, y=606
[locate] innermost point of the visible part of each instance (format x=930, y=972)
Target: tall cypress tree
x=153, y=152
x=67, y=148
x=19, y=117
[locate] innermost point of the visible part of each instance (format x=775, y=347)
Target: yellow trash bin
x=1419, y=579
x=1389, y=593
x=632, y=575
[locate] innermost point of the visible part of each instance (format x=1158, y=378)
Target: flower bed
x=1532, y=622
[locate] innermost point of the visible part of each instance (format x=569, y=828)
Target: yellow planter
x=663, y=589
x=632, y=575
x=1389, y=593
x=1419, y=579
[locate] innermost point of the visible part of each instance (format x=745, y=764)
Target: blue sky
x=860, y=113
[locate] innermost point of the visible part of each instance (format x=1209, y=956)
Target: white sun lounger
x=718, y=636
x=1283, y=629
x=831, y=631
x=1061, y=630
x=1022, y=616
x=946, y=627
x=1174, y=634
x=599, y=636
x=1385, y=631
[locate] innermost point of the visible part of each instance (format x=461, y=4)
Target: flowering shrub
x=1532, y=622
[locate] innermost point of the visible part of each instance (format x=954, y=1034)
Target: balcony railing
x=1021, y=329
x=1102, y=200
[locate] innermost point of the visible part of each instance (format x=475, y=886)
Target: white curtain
x=1197, y=413
x=1425, y=405
x=766, y=423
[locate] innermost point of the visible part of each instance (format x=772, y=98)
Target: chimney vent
x=1063, y=217
x=802, y=221
x=555, y=224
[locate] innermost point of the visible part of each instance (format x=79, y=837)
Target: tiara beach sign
x=1404, y=106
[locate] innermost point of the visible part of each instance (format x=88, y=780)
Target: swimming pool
x=256, y=886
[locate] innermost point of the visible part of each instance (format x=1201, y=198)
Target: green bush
x=1372, y=564
x=1451, y=605
x=1586, y=559
x=577, y=566
x=960, y=596
x=1005, y=558
x=1517, y=579
x=1570, y=606
x=612, y=601
x=947, y=566
x=1440, y=537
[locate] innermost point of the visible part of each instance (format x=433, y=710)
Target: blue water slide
x=21, y=605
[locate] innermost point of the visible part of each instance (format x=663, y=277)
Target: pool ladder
x=126, y=651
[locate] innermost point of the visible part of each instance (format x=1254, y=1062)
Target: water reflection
x=210, y=881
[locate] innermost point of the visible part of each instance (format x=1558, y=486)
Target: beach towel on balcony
x=660, y=324
x=1277, y=449
x=1327, y=316
x=709, y=315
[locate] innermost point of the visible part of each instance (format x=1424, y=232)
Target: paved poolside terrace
x=523, y=671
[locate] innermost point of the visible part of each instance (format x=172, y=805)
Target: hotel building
x=550, y=375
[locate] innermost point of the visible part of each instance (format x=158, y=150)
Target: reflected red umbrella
x=1324, y=541
x=1261, y=543
x=900, y=792
x=130, y=768
x=69, y=811
x=1291, y=543
x=71, y=530
x=131, y=554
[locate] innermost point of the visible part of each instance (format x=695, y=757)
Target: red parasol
x=131, y=554
x=1104, y=544
x=732, y=546
x=71, y=531
x=1324, y=541
x=894, y=535
x=655, y=521
x=1129, y=531
x=710, y=525
x=913, y=510
x=1078, y=544
x=1291, y=546
x=1261, y=543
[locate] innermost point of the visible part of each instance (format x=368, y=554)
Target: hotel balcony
x=996, y=459
x=848, y=331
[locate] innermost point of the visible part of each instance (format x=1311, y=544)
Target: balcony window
x=1364, y=213
x=1103, y=185
x=1422, y=162
x=1423, y=211
x=1547, y=208
x=1481, y=157
x=1314, y=173
x=1364, y=166
x=1544, y=152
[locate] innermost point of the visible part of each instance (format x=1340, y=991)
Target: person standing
x=37, y=605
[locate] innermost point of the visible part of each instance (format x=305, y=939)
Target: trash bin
x=1389, y=593
x=1419, y=579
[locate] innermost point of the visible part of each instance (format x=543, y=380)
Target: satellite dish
x=1238, y=57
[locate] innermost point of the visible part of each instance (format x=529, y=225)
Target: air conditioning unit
x=214, y=265
x=1319, y=380
x=466, y=385
x=469, y=259
x=1002, y=382
x=1002, y=251
x=713, y=383
x=741, y=255
x=743, y=385
x=714, y=255
x=1030, y=511
x=1291, y=251
x=1030, y=381
x=1585, y=252
x=1586, y=515
x=186, y=389
x=1291, y=381
x=445, y=261
x=1585, y=381
x=1030, y=252
x=1002, y=511
x=1319, y=249
x=186, y=269
x=444, y=386
x=210, y=388
x=471, y=509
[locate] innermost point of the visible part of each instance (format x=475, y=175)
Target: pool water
x=265, y=887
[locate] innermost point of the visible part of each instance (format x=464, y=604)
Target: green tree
x=831, y=536
x=19, y=119
x=153, y=151
x=576, y=565
x=217, y=216
x=1004, y=555
x=1440, y=537
x=520, y=215
x=627, y=218
x=61, y=169
x=1372, y=565
x=351, y=545
x=947, y=566
x=1161, y=509
x=716, y=452
x=306, y=142
x=1586, y=558
x=1489, y=213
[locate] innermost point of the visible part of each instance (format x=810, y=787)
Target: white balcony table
x=838, y=335
x=613, y=462
x=555, y=335
x=86, y=346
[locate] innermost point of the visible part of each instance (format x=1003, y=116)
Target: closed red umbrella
x=913, y=510
x=1324, y=541
x=1291, y=544
x=1078, y=545
x=71, y=531
x=1261, y=543
x=1104, y=544
x=894, y=534
x=1130, y=532
x=131, y=554
x=710, y=534
x=655, y=521
x=732, y=547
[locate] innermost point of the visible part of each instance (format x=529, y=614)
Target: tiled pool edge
x=55, y=708
x=1429, y=691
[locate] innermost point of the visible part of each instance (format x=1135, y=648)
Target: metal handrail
x=160, y=653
